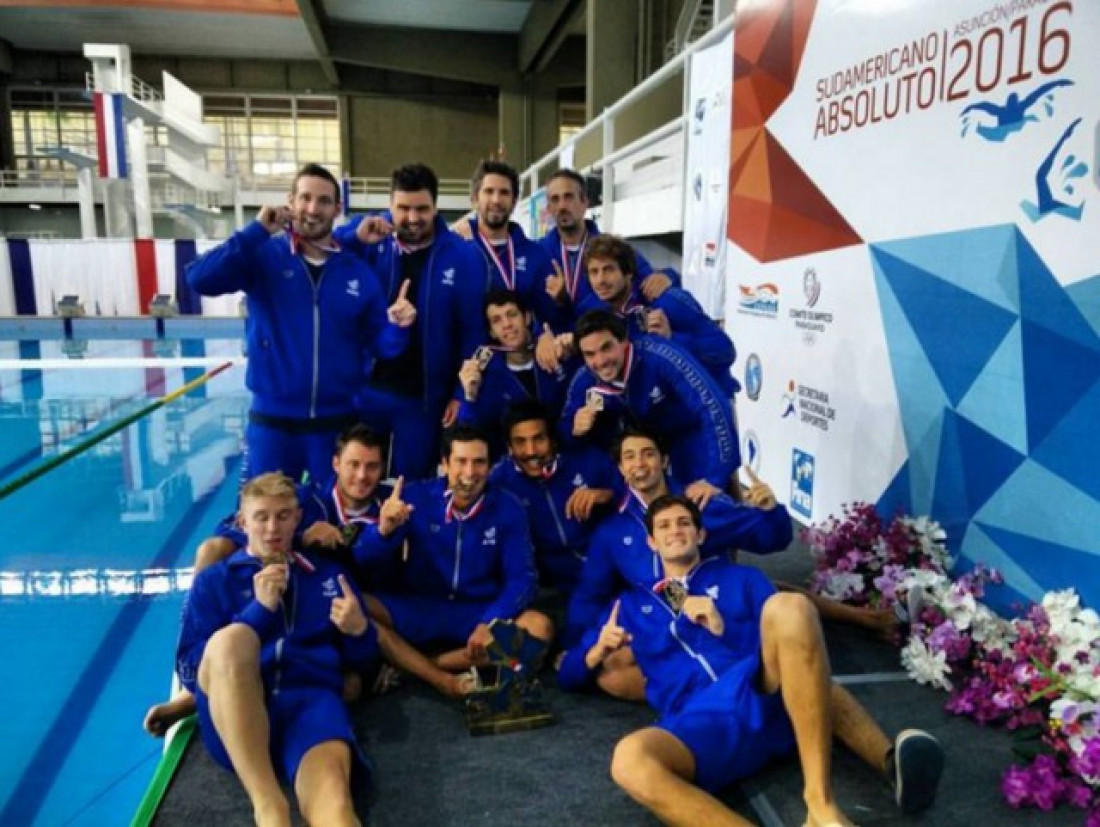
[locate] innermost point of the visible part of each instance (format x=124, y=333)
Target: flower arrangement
x=1037, y=675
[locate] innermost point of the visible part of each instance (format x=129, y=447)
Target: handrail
x=677, y=64
x=684, y=23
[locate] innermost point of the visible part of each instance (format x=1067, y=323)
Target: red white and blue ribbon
x=110, y=134
x=508, y=274
x=452, y=513
x=573, y=273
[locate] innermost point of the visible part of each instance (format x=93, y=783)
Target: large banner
x=706, y=181
x=914, y=260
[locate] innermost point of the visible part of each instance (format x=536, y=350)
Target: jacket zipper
x=458, y=560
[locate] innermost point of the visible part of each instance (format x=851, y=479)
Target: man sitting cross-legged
x=469, y=557
x=739, y=676
x=266, y=635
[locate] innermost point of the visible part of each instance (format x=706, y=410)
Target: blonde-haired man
x=266, y=636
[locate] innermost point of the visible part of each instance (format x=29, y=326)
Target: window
x=272, y=136
x=44, y=120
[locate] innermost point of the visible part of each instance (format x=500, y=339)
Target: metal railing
x=139, y=89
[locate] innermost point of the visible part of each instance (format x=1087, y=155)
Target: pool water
x=95, y=557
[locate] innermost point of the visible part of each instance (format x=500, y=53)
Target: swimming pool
x=95, y=556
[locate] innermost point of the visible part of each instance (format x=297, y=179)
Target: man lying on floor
x=739, y=676
x=266, y=637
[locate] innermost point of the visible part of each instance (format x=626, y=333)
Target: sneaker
x=914, y=766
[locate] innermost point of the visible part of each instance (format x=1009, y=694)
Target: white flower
x=843, y=585
x=924, y=665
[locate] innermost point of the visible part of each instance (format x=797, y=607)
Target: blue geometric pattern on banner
x=1037, y=502
x=897, y=496
x=1071, y=450
x=1043, y=301
x=1000, y=405
x=982, y=261
x=1086, y=295
x=1048, y=562
x=1057, y=371
x=959, y=330
x=995, y=401
x=977, y=547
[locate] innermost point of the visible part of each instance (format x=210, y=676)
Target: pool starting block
x=510, y=698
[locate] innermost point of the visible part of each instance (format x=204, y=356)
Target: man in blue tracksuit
x=512, y=260
x=618, y=556
x=316, y=318
x=265, y=638
x=506, y=371
x=563, y=494
x=739, y=676
x=411, y=395
x=675, y=315
x=469, y=556
x=653, y=384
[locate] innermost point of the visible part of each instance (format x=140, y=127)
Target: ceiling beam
x=488, y=59
x=308, y=11
x=543, y=32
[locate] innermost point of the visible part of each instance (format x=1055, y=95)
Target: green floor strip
x=166, y=770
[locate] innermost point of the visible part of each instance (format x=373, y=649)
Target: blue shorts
x=300, y=720
x=732, y=728
x=425, y=620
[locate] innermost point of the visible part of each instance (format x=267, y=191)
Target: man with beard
x=316, y=317
x=563, y=493
x=409, y=396
x=469, y=558
x=506, y=371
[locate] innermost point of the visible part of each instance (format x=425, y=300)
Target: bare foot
x=827, y=817
x=160, y=717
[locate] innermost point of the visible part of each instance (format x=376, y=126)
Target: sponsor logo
x=521, y=263
x=647, y=609
x=750, y=450
x=449, y=277
x=353, y=288
x=700, y=115
x=811, y=286
x=710, y=254
x=789, y=400
x=802, y=483
x=489, y=538
x=628, y=541
x=754, y=376
x=762, y=300
x=712, y=592
x=656, y=395
x=578, y=480
x=328, y=588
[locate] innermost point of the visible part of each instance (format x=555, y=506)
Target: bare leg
x=396, y=650
x=621, y=678
x=323, y=786
x=795, y=664
x=857, y=730
x=655, y=768
x=536, y=624
x=883, y=622
x=230, y=676
x=161, y=717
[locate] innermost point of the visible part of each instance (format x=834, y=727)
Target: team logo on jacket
x=647, y=609
x=578, y=480
x=328, y=588
x=712, y=592
x=449, y=277
x=490, y=536
x=521, y=263
x=656, y=395
x=628, y=541
x=353, y=288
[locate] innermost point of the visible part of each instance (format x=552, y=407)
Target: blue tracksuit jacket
x=500, y=388
x=619, y=555
x=678, y=657
x=692, y=329
x=449, y=301
x=484, y=557
x=532, y=266
x=551, y=243
x=309, y=346
x=560, y=543
x=670, y=393
x=300, y=647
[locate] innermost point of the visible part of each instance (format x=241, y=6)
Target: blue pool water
x=95, y=556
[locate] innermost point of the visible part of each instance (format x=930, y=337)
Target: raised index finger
x=397, y=487
x=345, y=586
x=752, y=474
x=404, y=291
x=613, y=618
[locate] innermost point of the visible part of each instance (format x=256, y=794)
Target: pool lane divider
x=170, y=761
x=95, y=439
